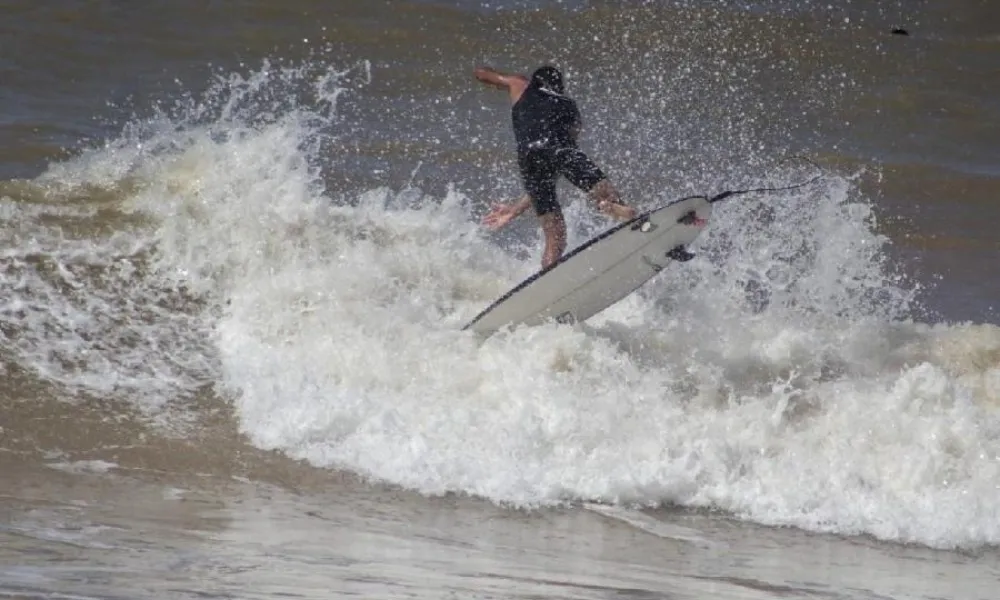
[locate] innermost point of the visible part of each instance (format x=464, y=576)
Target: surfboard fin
x=680, y=254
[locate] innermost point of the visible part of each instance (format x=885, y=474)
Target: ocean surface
x=239, y=240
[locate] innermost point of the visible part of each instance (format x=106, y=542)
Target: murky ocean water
x=239, y=241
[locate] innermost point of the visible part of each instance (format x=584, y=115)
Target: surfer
x=546, y=125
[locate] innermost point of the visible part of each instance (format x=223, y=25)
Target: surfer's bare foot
x=618, y=211
x=608, y=201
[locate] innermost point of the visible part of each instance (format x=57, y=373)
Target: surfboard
x=602, y=271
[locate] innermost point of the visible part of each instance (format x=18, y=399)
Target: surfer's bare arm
x=512, y=82
x=491, y=76
x=501, y=214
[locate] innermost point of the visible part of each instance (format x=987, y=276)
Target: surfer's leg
x=586, y=175
x=539, y=171
x=554, y=228
x=538, y=174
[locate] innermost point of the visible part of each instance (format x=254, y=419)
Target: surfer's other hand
x=499, y=215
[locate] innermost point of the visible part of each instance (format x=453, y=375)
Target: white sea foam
x=78, y=313
x=803, y=399
x=777, y=376
x=816, y=408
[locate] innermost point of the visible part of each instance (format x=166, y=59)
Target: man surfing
x=546, y=125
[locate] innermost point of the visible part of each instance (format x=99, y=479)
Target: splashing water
x=777, y=376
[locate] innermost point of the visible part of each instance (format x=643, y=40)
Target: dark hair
x=548, y=77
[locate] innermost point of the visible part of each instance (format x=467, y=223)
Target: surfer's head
x=548, y=78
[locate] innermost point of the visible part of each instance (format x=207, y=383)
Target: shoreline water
x=222, y=537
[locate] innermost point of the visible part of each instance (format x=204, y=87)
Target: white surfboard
x=602, y=271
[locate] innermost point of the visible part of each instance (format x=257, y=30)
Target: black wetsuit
x=543, y=121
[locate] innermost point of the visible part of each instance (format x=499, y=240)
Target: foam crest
x=796, y=402
x=77, y=311
x=776, y=377
x=116, y=263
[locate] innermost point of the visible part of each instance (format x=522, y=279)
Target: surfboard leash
x=730, y=193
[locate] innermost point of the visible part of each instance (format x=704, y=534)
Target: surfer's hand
x=500, y=215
